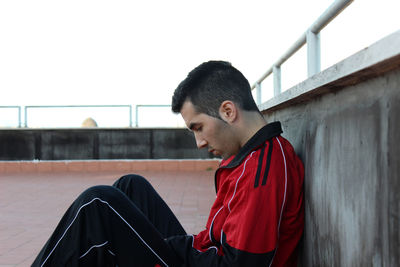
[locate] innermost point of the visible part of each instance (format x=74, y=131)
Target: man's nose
x=201, y=143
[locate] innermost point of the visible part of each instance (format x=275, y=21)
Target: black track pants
x=120, y=225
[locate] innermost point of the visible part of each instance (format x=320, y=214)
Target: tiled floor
x=31, y=204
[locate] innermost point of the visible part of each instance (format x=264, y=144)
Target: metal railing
x=312, y=38
x=27, y=108
x=25, y=112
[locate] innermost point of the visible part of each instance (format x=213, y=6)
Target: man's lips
x=215, y=152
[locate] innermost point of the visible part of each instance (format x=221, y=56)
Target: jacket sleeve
x=182, y=245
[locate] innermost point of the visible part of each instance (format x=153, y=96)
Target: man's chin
x=225, y=156
x=218, y=154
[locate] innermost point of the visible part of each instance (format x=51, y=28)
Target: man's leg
x=103, y=227
x=142, y=193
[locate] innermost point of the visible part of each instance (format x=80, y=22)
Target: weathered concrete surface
x=348, y=137
x=78, y=144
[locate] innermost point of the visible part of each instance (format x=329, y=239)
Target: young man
x=257, y=218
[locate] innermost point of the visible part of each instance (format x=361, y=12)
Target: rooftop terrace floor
x=31, y=204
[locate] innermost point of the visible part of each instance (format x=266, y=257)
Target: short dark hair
x=211, y=83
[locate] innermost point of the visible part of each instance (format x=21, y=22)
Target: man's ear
x=228, y=111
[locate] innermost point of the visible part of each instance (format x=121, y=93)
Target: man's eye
x=198, y=129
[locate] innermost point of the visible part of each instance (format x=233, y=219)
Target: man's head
x=216, y=103
x=211, y=83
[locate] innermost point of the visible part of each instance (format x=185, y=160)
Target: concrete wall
x=78, y=144
x=345, y=125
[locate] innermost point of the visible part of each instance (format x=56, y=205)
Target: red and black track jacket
x=257, y=218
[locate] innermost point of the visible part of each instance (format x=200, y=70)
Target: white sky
x=136, y=52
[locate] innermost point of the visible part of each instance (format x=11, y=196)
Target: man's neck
x=251, y=123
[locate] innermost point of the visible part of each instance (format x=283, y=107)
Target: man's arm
x=232, y=257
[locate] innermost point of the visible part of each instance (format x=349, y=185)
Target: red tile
x=76, y=166
x=92, y=166
x=12, y=167
x=123, y=166
x=2, y=166
x=107, y=166
x=27, y=262
x=59, y=166
x=139, y=165
x=29, y=166
x=206, y=165
x=44, y=166
x=170, y=165
x=155, y=165
x=186, y=165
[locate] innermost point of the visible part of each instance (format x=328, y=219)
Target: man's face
x=210, y=132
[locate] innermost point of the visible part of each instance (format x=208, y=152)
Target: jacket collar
x=265, y=133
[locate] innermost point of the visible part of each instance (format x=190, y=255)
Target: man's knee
x=103, y=192
x=131, y=181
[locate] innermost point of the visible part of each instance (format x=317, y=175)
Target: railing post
x=26, y=117
x=130, y=116
x=313, y=53
x=19, y=117
x=312, y=38
x=258, y=88
x=136, y=116
x=276, y=70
